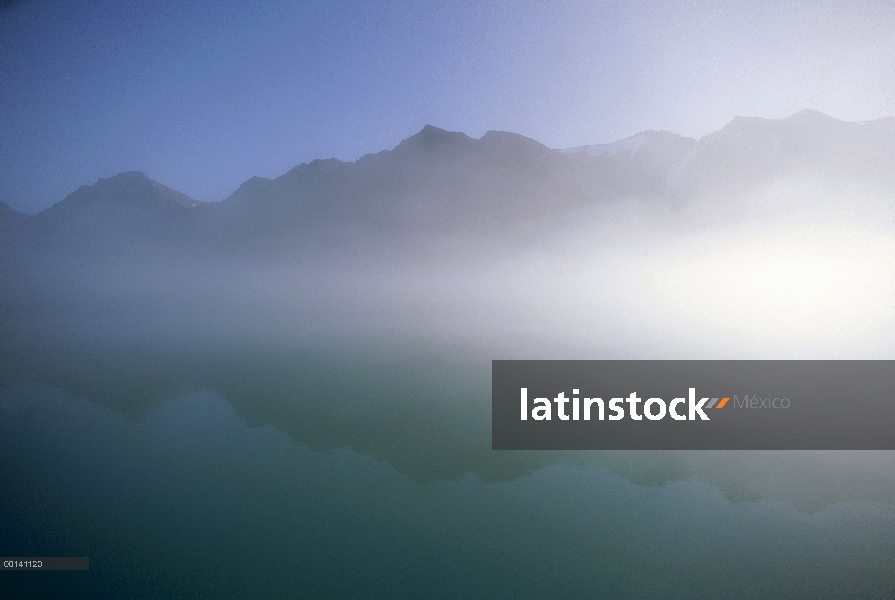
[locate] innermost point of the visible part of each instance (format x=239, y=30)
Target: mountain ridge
x=133, y=187
x=747, y=151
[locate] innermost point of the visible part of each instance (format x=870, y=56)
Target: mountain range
x=439, y=182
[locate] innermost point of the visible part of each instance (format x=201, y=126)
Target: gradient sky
x=203, y=95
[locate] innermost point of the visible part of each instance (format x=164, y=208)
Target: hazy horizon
x=609, y=148
x=203, y=97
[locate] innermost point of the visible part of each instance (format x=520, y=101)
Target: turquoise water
x=188, y=501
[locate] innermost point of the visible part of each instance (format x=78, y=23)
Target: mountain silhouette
x=9, y=216
x=437, y=182
x=131, y=193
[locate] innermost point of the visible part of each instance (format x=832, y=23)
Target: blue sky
x=203, y=95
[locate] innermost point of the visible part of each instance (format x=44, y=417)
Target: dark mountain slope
x=125, y=195
x=439, y=183
x=114, y=215
x=10, y=215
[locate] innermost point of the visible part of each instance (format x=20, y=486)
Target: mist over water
x=278, y=396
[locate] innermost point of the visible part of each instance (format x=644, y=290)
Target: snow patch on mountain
x=628, y=146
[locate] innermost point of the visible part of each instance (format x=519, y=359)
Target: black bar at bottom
x=45, y=563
